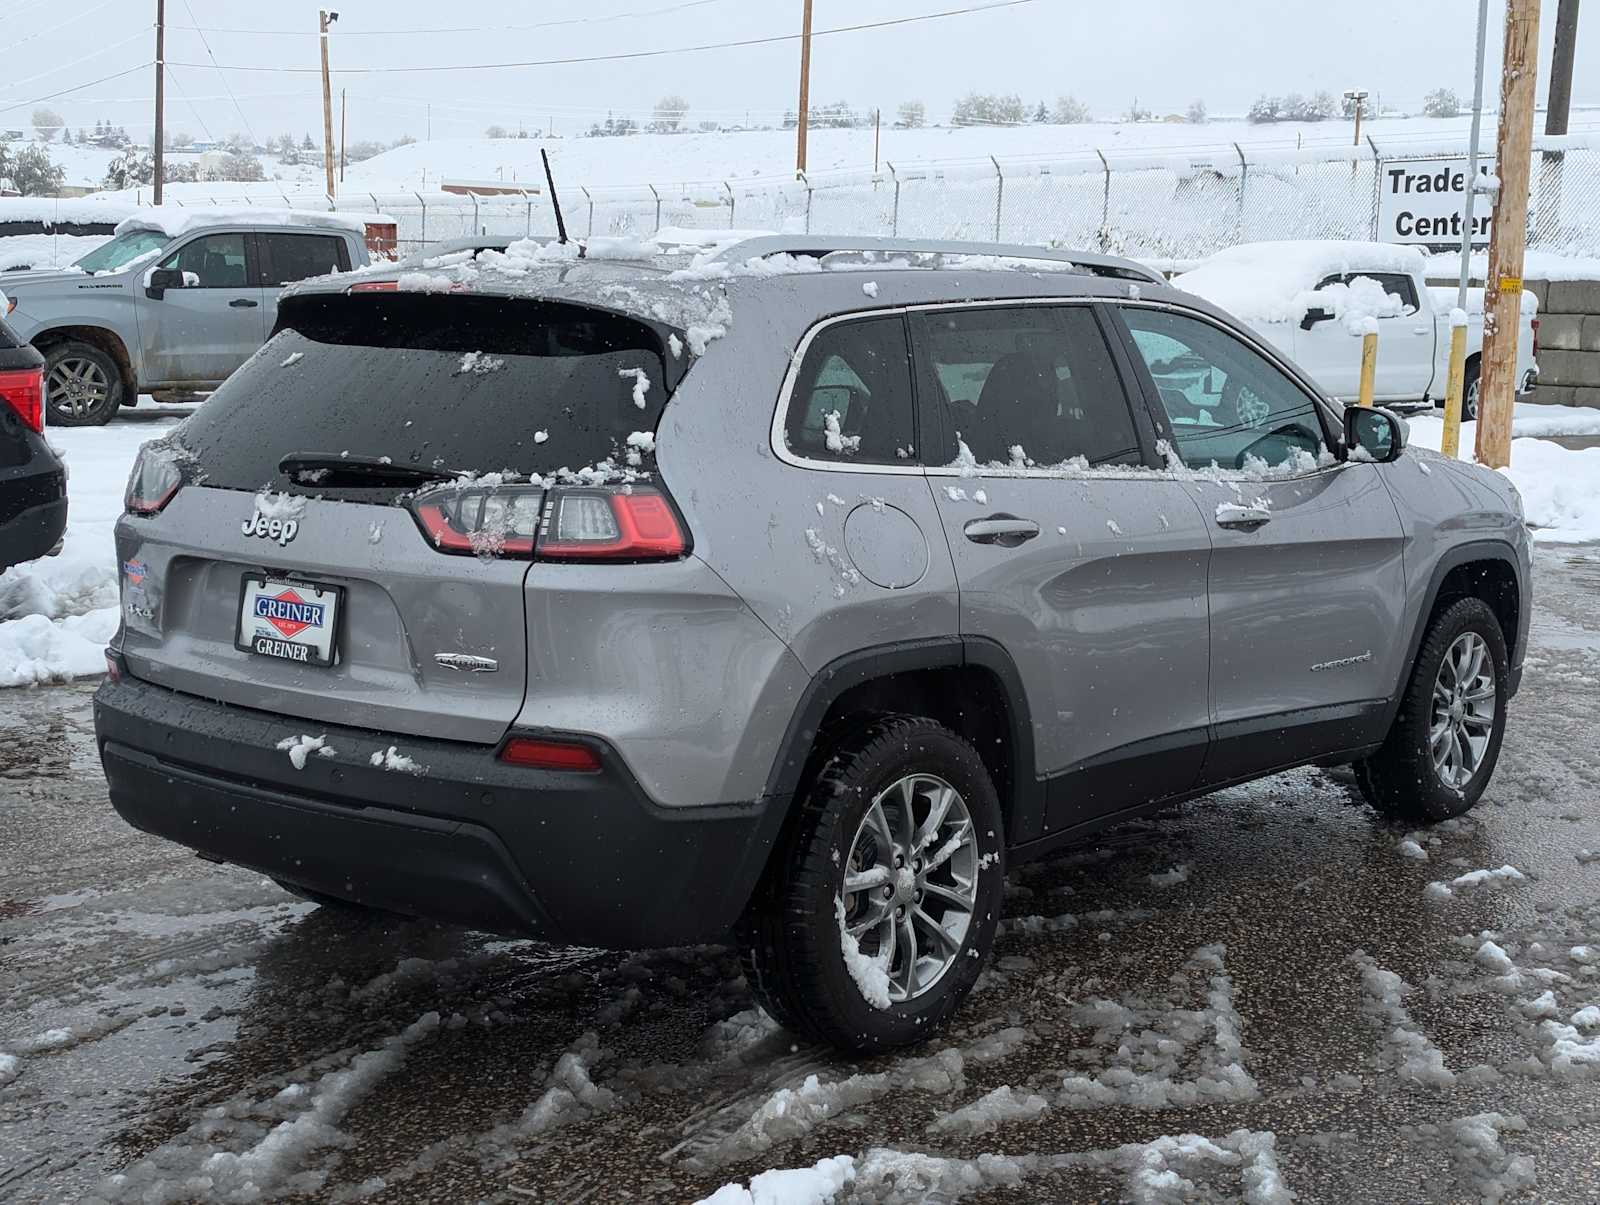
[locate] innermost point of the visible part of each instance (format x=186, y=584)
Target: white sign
x=1420, y=200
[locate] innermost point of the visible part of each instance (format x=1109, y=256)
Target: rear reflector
x=549, y=755
x=23, y=391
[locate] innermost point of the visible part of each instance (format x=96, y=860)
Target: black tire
x=790, y=938
x=1400, y=779
x=1469, y=390
x=83, y=383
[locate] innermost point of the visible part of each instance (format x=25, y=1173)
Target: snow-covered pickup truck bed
x=1313, y=301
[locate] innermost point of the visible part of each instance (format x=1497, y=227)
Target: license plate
x=291, y=621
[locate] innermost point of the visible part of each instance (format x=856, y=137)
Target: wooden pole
x=344, y=114
x=161, y=96
x=877, y=136
x=802, y=123
x=1369, y=367
x=327, y=106
x=1450, y=445
x=1502, y=295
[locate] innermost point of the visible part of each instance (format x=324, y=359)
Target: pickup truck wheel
x=1445, y=740
x=879, y=907
x=1469, y=391
x=83, y=385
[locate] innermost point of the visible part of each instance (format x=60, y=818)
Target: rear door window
x=448, y=383
x=852, y=402
x=1025, y=387
x=287, y=258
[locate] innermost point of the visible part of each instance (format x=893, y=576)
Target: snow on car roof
x=1267, y=282
x=178, y=220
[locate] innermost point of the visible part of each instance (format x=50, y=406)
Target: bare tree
x=47, y=124
x=669, y=114
x=913, y=115
x=496, y=132
x=1070, y=111
x=1196, y=115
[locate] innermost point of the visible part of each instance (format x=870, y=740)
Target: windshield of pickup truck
x=122, y=251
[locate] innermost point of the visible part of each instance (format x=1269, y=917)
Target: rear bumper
x=33, y=530
x=567, y=857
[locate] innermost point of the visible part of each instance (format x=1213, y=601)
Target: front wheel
x=1470, y=389
x=83, y=385
x=879, y=908
x=1445, y=740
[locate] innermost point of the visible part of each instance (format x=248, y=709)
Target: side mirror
x=1313, y=317
x=158, y=280
x=1373, y=434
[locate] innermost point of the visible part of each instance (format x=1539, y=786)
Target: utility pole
x=1455, y=380
x=1555, y=118
x=161, y=95
x=1357, y=96
x=343, y=128
x=877, y=134
x=801, y=122
x=325, y=19
x=1502, y=294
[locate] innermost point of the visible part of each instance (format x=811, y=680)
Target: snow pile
x=42, y=252
x=274, y=1148
x=1171, y=878
x=1277, y=282
x=393, y=760
x=301, y=747
x=871, y=974
x=1475, y=880
x=10, y=1068
x=1415, y=1057
x=1161, y=1054
x=793, y=1186
x=1410, y=849
x=988, y=1113
x=478, y=363
x=1481, y=1160
x=570, y=1095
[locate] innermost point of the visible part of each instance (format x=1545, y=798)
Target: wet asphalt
x=194, y=1029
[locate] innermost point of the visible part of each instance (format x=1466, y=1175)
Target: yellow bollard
x=1369, y=366
x=1451, y=443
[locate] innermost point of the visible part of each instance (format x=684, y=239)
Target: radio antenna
x=555, y=201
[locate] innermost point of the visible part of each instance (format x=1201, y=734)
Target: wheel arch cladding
x=970, y=686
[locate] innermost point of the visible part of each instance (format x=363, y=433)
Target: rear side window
x=452, y=383
x=1396, y=283
x=852, y=400
x=1025, y=387
x=290, y=257
x=217, y=260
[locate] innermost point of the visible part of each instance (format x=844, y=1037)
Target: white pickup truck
x=1312, y=300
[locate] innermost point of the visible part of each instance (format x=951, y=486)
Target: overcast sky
x=1165, y=52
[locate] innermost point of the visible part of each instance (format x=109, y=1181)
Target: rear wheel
x=1442, y=748
x=1469, y=391
x=84, y=385
x=879, y=908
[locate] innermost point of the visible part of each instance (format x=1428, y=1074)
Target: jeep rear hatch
x=382, y=466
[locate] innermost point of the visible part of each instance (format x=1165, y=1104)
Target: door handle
x=1006, y=530
x=1245, y=518
x=242, y=303
x=1422, y=330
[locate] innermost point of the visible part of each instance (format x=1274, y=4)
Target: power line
x=23, y=104
x=26, y=8
x=92, y=55
x=70, y=20
x=220, y=75
x=388, y=33
x=195, y=109
x=635, y=54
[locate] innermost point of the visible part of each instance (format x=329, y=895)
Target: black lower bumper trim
x=579, y=858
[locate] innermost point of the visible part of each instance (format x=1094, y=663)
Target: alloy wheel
x=1464, y=707
x=78, y=388
x=911, y=882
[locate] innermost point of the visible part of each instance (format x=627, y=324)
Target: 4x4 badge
x=467, y=663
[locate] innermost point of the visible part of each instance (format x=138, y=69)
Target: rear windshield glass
x=450, y=383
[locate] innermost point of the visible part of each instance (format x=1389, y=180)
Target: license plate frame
x=256, y=634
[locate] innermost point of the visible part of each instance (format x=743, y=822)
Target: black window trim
x=1332, y=421
x=1143, y=429
x=266, y=263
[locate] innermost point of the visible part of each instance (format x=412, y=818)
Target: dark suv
x=795, y=589
x=33, y=483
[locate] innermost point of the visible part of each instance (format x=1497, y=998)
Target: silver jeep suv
x=793, y=591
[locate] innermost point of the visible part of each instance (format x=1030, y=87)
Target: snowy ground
x=57, y=613
x=1258, y=994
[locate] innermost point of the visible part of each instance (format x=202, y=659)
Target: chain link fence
x=1177, y=207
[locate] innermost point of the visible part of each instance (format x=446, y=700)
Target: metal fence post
x=424, y=204
x=1244, y=172
x=476, y=231
x=807, y=183
x=657, y=196
x=1377, y=185
x=1105, y=204
x=731, y=203
x=894, y=221
x=999, y=195
x=589, y=201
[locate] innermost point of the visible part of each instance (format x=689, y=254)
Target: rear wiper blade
x=319, y=468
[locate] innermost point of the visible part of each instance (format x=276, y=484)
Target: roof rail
x=817, y=246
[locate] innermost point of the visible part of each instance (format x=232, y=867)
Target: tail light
x=585, y=523
x=153, y=482
x=375, y=286
x=23, y=391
